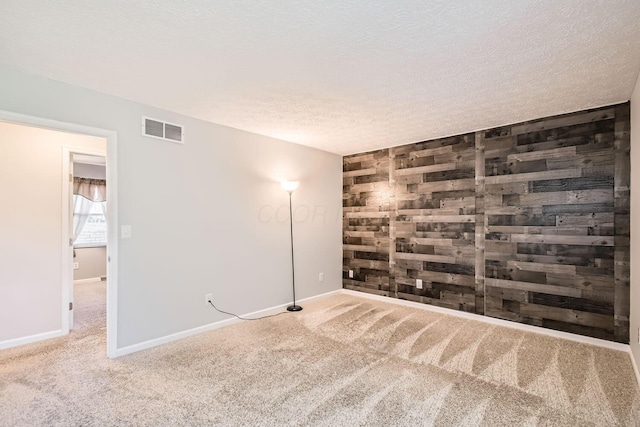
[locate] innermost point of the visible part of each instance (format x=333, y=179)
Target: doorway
x=39, y=259
x=89, y=233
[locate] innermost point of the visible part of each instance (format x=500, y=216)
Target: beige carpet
x=344, y=360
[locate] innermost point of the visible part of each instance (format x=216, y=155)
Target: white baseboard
x=30, y=339
x=211, y=326
x=89, y=280
x=499, y=322
x=635, y=366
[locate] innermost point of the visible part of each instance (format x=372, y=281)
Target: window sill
x=90, y=245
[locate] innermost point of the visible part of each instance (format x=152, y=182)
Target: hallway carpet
x=344, y=360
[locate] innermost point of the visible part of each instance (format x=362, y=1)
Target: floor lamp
x=290, y=187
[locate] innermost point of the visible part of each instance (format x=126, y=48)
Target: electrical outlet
x=76, y=265
x=419, y=283
x=320, y=277
x=350, y=274
x=638, y=335
x=207, y=298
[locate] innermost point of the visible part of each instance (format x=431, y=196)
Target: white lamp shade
x=290, y=186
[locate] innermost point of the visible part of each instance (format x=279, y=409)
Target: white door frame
x=112, y=217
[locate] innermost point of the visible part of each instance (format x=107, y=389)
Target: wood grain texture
x=436, y=200
x=481, y=224
x=365, y=202
x=622, y=214
x=528, y=222
x=561, y=231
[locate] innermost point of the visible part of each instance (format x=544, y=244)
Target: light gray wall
x=92, y=263
x=634, y=328
x=31, y=228
x=84, y=170
x=195, y=211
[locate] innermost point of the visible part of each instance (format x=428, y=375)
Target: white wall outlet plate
x=350, y=274
x=320, y=277
x=419, y=283
x=207, y=298
x=76, y=265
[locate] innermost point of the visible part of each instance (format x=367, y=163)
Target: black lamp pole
x=293, y=307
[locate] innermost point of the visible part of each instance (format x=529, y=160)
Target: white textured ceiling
x=341, y=75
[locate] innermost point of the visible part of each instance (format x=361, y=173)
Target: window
x=94, y=232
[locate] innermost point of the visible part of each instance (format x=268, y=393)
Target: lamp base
x=294, y=308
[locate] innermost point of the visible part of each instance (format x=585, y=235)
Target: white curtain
x=85, y=193
x=81, y=211
x=103, y=207
x=93, y=189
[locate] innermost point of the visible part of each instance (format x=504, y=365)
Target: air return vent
x=162, y=130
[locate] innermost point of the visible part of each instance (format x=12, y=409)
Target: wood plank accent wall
x=528, y=222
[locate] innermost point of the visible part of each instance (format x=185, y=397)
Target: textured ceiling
x=340, y=75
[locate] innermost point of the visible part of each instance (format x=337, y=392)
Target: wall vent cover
x=162, y=130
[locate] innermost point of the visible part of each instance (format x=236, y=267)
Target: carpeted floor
x=343, y=360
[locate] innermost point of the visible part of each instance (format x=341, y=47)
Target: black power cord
x=244, y=318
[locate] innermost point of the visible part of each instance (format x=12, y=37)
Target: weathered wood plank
x=600, y=283
x=579, y=208
x=553, y=259
x=361, y=248
x=458, y=203
x=349, y=233
x=581, y=304
x=432, y=151
x=590, y=160
x=425, y=257
x=456, y=279
x=512, y=210
x=455, y=185
x=542, y=154
x=507, y=188
x=425, y=169
x=561, y=121
x=566, y=197
x=533, y=287
x=372, y=265
x=444, y=218
x=459, y=173
x=533, y=176
x=584, y=183
x=360, y=172
x=568, y=315
x=406, y=214
x=430, y=241
x=589, y=219
x=370, y=187
x=500, y=294
x=564, y=240
x=544, y=268
x=367, y=214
